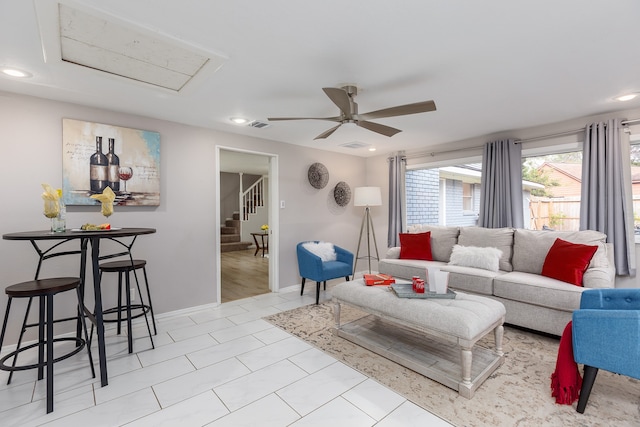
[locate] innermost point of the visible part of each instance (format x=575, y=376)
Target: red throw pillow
x=415, y=246
x=568, y=261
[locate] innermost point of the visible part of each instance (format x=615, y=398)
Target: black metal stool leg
x=50, y=356
x=4, y=330
x=42, y=336
x=22, y=331
x=144, y=309
x=120, y=284
x=83, y=322
x=129, y=329
x=153, y=317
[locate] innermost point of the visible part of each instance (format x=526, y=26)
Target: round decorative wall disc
x=342, y=193
x=318, y=175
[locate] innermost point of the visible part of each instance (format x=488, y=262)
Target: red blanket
x=566, y=380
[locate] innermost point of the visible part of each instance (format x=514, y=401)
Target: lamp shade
x=367, y=196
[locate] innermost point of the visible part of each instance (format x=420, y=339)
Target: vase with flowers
x=51, y=200
x=264, y=228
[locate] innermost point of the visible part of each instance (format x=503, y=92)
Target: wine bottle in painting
x=98, y=169
x=114, y=165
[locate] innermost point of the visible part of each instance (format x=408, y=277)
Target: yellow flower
x=264, y=227
x=106, y=198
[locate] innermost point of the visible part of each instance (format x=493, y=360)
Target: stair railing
x=252, y=198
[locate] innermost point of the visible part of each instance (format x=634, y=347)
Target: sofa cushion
x=537, y=290
x=442, y=239
x=407, y=268
x=500, y=238
x=568, y=261
x=530, y=247
x=473, y=256
x=415, y=246
x=469, y=279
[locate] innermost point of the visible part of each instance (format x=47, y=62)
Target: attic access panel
x=102, y=43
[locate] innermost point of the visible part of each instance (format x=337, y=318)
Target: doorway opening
x=248, y=234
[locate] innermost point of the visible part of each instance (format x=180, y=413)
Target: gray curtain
x=397, y=168
x=501, y=202
x=606, y=203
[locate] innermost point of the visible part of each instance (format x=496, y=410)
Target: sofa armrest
x=601, y=276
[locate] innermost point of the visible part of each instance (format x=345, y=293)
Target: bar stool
x=44, y=289
x=125, y=268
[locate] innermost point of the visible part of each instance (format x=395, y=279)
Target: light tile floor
x=222, y=366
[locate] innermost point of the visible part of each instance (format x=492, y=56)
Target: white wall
x=182, y=254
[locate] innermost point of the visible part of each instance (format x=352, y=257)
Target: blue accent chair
x=606, y=335
x=312, y=267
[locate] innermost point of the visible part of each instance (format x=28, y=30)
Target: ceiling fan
x=344, y=98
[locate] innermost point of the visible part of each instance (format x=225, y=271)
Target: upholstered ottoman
x=435, y=337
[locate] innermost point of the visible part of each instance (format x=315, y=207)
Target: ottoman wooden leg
x=336, y=314
x=498, y=333
x=467, y=357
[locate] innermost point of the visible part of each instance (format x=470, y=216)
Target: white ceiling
x=490, y=66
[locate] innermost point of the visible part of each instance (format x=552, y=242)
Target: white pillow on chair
x=324, y=250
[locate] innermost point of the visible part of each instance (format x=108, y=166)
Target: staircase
x=230, y=235
x=253, y=198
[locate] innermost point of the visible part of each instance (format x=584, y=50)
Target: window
x=552, y=185
x=443, y=196
x=450, y=195
x=467, y=197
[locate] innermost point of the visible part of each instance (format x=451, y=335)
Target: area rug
x=517, y=394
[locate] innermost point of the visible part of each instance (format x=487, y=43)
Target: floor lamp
x=367, y=196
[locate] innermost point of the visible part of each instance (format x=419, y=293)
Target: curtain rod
x=519, y=141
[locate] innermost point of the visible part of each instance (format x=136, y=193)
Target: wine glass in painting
x=125, y=173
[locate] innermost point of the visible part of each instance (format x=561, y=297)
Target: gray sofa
x=532, y=301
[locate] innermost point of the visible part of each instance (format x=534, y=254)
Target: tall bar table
x=85, y=237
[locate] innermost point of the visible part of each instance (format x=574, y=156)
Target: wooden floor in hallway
x=243, y=274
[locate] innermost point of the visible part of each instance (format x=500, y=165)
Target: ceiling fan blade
x=376, y=127
x=326, y=133
x=400, y=110
x=341, y=98
x=331, y=119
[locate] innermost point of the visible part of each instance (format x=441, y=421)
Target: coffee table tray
x=404, y=290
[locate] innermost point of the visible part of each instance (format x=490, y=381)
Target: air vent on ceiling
x=355, y=144
x=258, y=124
x=104, y=43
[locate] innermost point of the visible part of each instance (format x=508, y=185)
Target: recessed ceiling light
x=627, y=97
x=14, y=72
x=372, y=149
x=239, y=120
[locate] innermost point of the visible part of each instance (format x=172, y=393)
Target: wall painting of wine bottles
x=96, y=156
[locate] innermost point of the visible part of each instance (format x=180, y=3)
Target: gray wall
x=182, y=254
